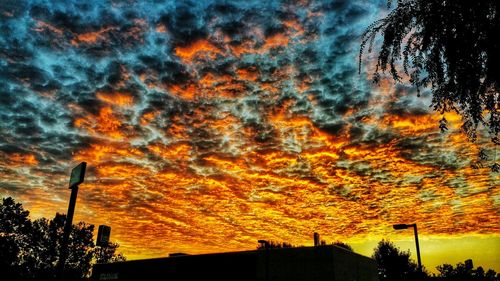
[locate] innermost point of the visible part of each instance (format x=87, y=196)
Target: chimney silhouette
x=316, y=239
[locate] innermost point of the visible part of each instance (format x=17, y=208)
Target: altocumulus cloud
x=210, y=121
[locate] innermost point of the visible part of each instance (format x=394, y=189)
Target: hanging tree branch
x=449, y=46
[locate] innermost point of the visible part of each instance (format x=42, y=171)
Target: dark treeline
x=396, y=265
x=275, y=245
x=30, y=249
x=278, y=245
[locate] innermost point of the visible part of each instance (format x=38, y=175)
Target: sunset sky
x=208, y=125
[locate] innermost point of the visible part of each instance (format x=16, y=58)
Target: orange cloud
x=260, y=47
x=121, y=170
x=246, y=47
x=160, y=28
x=174, y=152
x=187, y=92
x=41, y=26
x=274, y=41
x=97, y=153
x=20, y=159
x=249, y=74
x=199, y=49
x=91, y=37
x=105, y=123
x=295, y=27
x=116, y=98
x=148, y=117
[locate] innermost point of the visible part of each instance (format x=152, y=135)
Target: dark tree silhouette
x=343, y=245
x=275, y=245
x=466, y=272
x=80, y=246
x=451, y=46
x=14, y=222
x=30, y=249
x=393, y=264
x=278, y=245
x=105, y=254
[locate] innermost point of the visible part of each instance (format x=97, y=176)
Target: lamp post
x=414, y=225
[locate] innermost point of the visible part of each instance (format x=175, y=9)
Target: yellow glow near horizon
x=438, y=250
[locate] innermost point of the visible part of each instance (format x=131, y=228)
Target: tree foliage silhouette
x=13, y=220
x=278, y=245
x=105, y=254
x=393, y=264
x=343, y=245
x=465, y=272
x=275, y=245
x=451, y=46
x=30, y=249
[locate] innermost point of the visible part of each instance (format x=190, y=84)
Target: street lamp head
x=400, y=226
x=414, y=225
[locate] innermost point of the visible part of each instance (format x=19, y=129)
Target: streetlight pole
x=405, y=226
x=418, y=247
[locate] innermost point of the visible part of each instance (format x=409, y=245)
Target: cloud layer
x=210, y=124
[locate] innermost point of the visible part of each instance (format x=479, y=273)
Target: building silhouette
x=325, y=263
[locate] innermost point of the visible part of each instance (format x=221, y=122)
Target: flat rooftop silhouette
x=291, y=264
